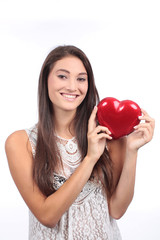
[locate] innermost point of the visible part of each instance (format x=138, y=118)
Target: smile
x=69, y=97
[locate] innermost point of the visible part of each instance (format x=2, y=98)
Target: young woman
x=73, y=177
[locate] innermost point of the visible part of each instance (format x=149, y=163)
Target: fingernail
x=95, y=107
x=135, y=127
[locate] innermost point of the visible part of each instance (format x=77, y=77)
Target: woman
x=74, y=178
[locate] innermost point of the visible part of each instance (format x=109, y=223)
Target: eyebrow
x=64, y=70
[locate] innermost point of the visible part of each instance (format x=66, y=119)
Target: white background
x=122, y=41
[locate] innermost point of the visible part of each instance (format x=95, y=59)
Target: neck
x=64, y=125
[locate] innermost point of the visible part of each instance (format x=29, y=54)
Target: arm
x=124, y=174
x=48, y=210
x=124, y=178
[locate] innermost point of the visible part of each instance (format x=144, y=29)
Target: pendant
x=71, y=147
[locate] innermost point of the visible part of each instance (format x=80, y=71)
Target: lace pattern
x=70, y=155
x=88, y=217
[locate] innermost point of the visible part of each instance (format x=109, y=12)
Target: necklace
x=71, y=147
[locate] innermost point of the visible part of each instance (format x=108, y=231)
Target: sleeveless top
x=88, y=217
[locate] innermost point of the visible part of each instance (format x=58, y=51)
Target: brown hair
x=47, y=156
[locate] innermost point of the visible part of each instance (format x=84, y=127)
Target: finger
x=143, y=130
x=102, y=129
x=147, y=131
x=144, y=125
x=144, y=112
x=145, y=134
x=147, y=125
x=92, y=119
x=148, y=119
x=145, y=116
x=104, y=135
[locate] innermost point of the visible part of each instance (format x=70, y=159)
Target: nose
x=72, y=85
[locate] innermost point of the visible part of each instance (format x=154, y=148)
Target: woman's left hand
x=143, y=132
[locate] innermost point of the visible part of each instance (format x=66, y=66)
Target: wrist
x=131, y=151
x=131, y=154
x=131, y=148
x=90, y=161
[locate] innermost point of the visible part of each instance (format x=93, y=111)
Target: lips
x=69, y=97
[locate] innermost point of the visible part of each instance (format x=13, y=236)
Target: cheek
x=52, y=85
x=85, y=88
x=51, y=88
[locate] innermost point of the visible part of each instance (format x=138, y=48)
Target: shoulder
x=19, y=157
x=17, y=142
x=22, y=138
x=16, y=138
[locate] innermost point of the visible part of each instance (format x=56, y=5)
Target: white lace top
x=88, y=217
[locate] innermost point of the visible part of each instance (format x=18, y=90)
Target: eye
x=62, y=76
x=81, y=79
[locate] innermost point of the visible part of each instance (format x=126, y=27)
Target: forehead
x=70, y=63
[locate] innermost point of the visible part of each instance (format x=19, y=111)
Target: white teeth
x=69, y=96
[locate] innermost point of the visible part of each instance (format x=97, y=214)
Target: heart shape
x=119, y=117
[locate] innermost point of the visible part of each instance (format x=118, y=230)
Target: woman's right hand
x=97, y=136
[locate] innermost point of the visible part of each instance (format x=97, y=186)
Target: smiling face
x=67, y=84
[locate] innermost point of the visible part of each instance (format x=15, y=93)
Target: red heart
x=118, y=116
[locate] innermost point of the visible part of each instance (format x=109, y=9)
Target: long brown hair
x=47, y=154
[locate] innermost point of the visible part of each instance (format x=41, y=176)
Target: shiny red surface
x=118, y=116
